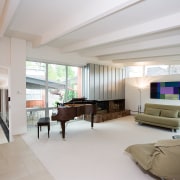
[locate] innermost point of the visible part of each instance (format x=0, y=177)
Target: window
x=64, y=83
x=156, y=70
x=74, y=83
x=151, y=70
x=36, y=70
x=134, y=71
x=56, y=84
x=35, y=84
x=175, y=69
x=60, y=84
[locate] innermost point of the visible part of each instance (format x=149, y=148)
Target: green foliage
x=56, y=72
x=71, y=73
x=71, y=94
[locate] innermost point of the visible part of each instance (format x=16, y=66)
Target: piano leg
x=63, y=128
x=92, y=120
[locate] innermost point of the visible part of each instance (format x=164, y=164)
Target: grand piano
x=72, y=109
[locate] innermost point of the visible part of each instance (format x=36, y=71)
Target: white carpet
x=93, y=154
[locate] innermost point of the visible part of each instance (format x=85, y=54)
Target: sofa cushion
x=169, y=113
x=153, y=111
x=158, y=120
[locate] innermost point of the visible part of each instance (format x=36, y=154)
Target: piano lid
x=77, y=100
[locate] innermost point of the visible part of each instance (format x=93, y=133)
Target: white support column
x=17, y=87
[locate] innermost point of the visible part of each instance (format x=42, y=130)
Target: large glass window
x=35, y=84
x=64, y=83
x=134, y=71
x=175, y=69
x=156, y=70
x=44, y=90
x=56, y=84
x=74, y=83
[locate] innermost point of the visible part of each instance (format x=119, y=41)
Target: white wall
x=13, y=56
x=17, y=87
x=132, y=93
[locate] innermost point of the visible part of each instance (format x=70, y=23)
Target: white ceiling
x=118, y=31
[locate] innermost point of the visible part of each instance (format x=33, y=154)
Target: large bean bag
x=162, y=159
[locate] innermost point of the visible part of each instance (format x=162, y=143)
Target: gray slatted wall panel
x=122, y=90
x=91, y=81
x=117, y=83
x=97, y=82
x=109, y=83
x=121, y=85
x=113, y=82
x=85, y=80
x=101, y=83
x=105, y=82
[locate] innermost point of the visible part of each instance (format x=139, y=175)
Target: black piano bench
x=44, y=121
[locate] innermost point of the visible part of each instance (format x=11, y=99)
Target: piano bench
x=44, y=121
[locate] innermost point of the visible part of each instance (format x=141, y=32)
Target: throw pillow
x=178, y=114
x=153, y=111
x=169, y=113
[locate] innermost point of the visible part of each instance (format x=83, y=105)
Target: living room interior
x=115, y=49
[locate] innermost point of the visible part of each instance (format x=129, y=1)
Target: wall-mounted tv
x=165, y=90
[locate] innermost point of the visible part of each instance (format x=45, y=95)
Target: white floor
x=93, y=154
x=18, y=162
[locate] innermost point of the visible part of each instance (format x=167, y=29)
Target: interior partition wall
x=103, y=82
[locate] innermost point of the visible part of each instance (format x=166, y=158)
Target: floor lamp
x=139, y=106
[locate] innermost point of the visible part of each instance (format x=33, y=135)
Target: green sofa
x=167, y=116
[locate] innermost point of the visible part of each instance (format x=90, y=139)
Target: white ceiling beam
x=163, y=59
x=84, y=20
x=154, y=26
x=143, y=45
x=143, y=54
x=9, y=9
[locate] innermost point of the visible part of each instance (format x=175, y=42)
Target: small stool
x=45, y=121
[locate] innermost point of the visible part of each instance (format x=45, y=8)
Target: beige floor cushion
x=161, y=159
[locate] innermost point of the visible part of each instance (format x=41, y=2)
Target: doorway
x=4, y=116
